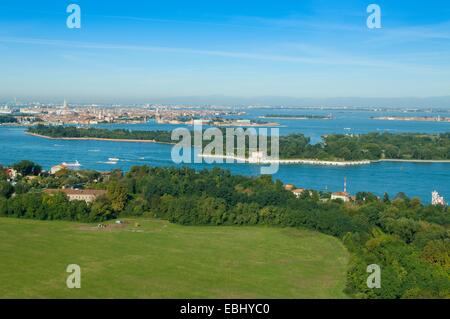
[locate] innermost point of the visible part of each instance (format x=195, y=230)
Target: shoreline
x=97, y=139
x=411, y=161
x=321, y=162
x=247, y=160
x=412, y=119
x=289, y=161
x=298, y=118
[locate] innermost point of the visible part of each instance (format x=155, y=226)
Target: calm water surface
x=411, y=178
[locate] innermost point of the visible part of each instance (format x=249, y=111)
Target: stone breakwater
x=318, y=162
x=287, y=161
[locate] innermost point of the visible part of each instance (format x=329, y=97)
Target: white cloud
x=330, y=60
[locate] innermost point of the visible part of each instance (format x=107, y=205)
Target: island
x=216, y=121
x=296, y=117
x=91, y=133
x=413, y=118
x=334, y=149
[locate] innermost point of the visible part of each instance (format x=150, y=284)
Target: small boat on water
x=112, y=161
x=76, y=164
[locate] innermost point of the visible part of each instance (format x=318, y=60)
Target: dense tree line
x=23, y=197
x=75, y=132
x=26, y=168
x=410, y=241
x=7, y=119
x=372, y=146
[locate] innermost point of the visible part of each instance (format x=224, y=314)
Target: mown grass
x=162, y=260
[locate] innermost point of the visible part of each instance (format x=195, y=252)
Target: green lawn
x=162, y=260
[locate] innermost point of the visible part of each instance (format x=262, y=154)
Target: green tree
x=27, y=168
x=118, y=195
x=6, y=189
x=101, y=210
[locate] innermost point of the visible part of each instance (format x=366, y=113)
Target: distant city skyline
x=262, y=101
x=310, y=52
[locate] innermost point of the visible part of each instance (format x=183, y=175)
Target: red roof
x=342, y=194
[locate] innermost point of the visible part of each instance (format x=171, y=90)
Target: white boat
x=113, y=159
x=76, y=164
x=108, y=162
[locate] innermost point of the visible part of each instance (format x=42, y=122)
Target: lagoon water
x=412, y=178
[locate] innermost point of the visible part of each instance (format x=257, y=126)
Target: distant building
x=11, y=173
x=298, y=192
x=436, y=199
x=341, y=195
x=55, y=169
x=87, y=195
x=198, y=122
x=344, y=196
x=289, y=187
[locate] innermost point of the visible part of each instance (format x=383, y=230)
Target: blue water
x=412, y=178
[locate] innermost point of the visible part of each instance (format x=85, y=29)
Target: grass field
x=162, y=260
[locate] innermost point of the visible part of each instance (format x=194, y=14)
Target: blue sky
x=142, y=51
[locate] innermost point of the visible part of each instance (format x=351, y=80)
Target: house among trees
x=344, y=196
x=437, y=199
x=11, y=173
x=87, y=195
x=298, y=191
x=55, y=169
x=289, y=187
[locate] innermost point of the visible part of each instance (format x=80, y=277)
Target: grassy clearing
x=162, y=260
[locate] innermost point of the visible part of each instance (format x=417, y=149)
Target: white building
x=436, y=199
x=256, y=157
x=341, y=195
x=298, y=192
x=55, y=169
x=6, y=110
x=11, y=173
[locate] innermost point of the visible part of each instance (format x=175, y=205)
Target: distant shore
x=299, y=118
x=247, y=160
x=97, y=139
x=413, y=118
